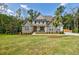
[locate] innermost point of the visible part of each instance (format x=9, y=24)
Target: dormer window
x=35, y=22
x=43, y=22
x=39, y=22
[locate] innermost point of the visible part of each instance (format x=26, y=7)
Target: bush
x=62, y=32
x=75, y=30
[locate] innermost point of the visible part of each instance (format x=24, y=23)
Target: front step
x=33, y=33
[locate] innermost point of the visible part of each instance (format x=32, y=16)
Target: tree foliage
x=9, y=24
x=58, y=15
x=32, y=14
x=68, y=21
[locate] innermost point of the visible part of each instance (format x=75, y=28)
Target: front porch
x=38, y=28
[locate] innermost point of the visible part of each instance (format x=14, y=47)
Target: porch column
x=38, y=28
x=45, y=28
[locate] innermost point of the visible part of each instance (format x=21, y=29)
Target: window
x=39, y=22
x=43, y=22
x=35, y=22
x=26, y=27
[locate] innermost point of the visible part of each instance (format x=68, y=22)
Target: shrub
x=75, y=30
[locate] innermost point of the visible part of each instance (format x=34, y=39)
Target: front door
x=34, y=29
x=41, y=29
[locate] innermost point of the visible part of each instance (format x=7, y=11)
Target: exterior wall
x=27, y=28
x=50, y=28
x=59, y=28
x=54, y=29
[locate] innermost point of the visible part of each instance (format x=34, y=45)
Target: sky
x=44, y=8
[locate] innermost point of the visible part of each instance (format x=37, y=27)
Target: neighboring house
x=41, y=24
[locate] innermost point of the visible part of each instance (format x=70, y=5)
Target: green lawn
x=28, y=44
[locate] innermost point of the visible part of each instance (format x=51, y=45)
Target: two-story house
x=40, y=24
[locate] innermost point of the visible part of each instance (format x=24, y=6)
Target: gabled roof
x=47, y=18
x=26, y=23
x=40, y=17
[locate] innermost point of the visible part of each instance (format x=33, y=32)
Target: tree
x=18, y=12
x=10, y=24
x=58, y=15
x=76, y=20
x=75, y=13
x=68, y=21
x=3, y=7
x=33, y=14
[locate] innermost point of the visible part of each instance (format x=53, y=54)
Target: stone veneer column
x=38, y=28
x=45, y=28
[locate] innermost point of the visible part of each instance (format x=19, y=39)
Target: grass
x=38, y=45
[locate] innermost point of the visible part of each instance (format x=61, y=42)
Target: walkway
x=66, y=33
